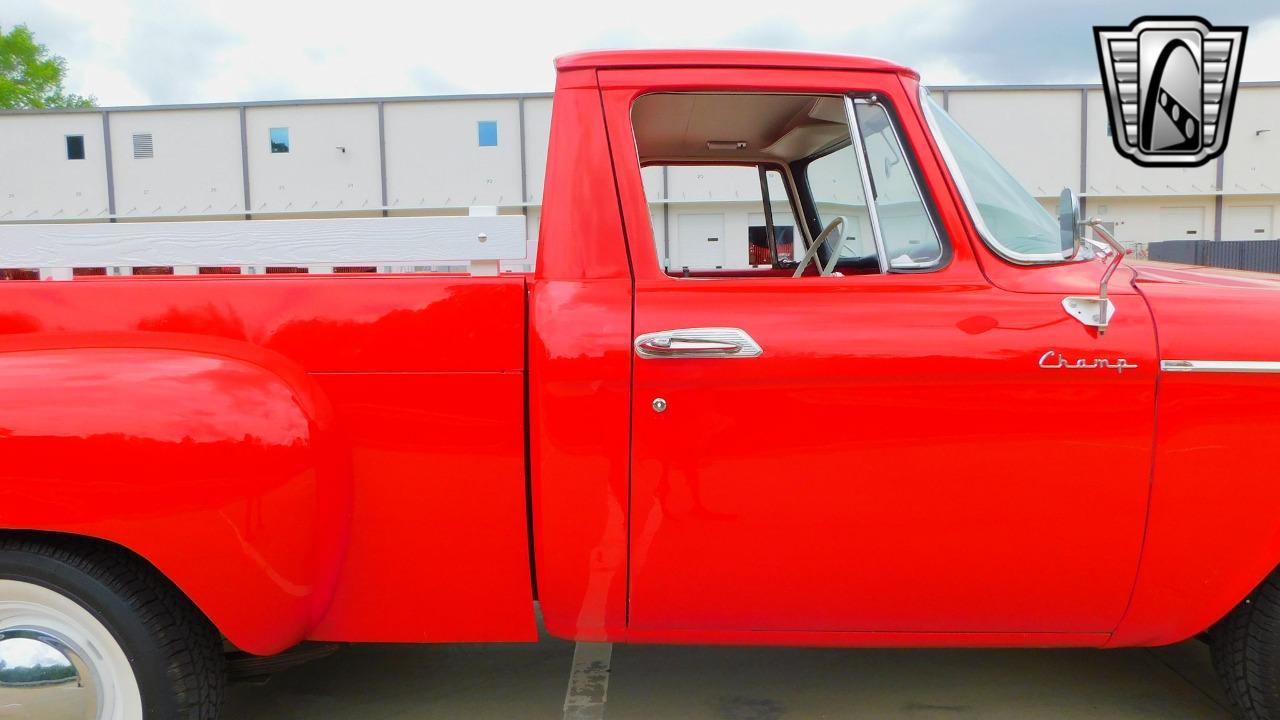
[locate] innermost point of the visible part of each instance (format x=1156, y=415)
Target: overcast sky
x=133, y=52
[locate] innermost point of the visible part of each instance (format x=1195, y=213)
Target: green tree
x=31, y=76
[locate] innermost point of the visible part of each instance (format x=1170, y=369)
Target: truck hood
x=1210, y=313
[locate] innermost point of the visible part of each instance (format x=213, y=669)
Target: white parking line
x=588, y=682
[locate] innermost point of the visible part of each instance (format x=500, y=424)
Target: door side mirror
x=1069, y=222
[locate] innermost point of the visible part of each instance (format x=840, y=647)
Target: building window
x=75, y=147
x=143, y=147
x=488, y=130
x=280, y=140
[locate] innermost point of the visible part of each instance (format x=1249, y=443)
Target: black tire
x=175, y=653
x=1246, y=653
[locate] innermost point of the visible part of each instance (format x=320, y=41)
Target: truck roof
x=724, y=58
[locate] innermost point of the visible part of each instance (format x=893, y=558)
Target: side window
x=715, y=221
x=775, y=185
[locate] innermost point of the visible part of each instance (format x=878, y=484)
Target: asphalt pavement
x=403, y=682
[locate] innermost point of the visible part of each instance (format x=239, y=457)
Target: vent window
x=143, y=147
x=75, y=147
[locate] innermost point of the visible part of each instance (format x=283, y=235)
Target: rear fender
x=216, y=462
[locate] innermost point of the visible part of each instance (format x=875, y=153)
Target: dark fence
x=1260, y=255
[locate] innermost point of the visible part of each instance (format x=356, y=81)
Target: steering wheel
x=811, y=255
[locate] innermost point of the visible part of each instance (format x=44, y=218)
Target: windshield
x=1008, y=218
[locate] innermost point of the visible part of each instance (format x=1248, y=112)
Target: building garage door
x=1182, y=223
x=700, y=242
x=1247, y=222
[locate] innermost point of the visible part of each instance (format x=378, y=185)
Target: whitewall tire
x=91, y=632
x=87, y=674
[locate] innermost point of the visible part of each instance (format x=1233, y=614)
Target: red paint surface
x=1213, y=532
x=894, y=451
x=344, y=457
x=214, y=469
x=337, y=457
x=579, y=377
x=438, y=553
x=738, y=60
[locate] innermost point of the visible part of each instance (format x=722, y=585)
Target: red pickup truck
x=935, y=416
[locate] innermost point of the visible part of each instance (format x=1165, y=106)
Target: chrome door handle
x=697, y=343
x=667, y=345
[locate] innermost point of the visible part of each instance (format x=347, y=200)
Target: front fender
x=222, y=473
x=1213, y=526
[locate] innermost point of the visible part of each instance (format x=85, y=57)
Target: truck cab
x=854, y=432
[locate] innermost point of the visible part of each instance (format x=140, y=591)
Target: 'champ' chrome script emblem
x=1053, y=359
x=1170, y=85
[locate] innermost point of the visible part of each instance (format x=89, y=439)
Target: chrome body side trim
x=1219, y=366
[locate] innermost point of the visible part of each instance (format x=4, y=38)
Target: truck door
x=880, y=447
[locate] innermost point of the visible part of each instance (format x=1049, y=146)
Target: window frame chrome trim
x=868, y=193
x=1219, y=366
x=975, y=215
x=900, y=140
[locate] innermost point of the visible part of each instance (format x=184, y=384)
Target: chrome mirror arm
x=1116, y=258
x=1097, y=311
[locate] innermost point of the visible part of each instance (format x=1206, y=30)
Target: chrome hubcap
x=42, y=677
x=58, y=661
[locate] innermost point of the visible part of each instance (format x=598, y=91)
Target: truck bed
x=418, y=383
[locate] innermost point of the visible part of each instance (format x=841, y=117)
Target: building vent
x=142, y=146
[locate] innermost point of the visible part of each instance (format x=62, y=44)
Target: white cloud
x=153, y=51
x=1262, y=52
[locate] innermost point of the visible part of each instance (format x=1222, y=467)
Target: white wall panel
x=434, y=158
x=1034, y=134
x=195, y=168
x=1253, y=149
x=537, y=137
x=332, y=164
x=652, y=179
x=1149, y=219
x=37, y=181
x=658, y=217
x=712, y=184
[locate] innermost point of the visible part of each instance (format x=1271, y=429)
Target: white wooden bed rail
x=480, y=241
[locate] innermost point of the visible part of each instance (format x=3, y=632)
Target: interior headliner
x=674, y=127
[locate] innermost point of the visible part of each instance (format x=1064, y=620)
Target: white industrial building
x=443, y=155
